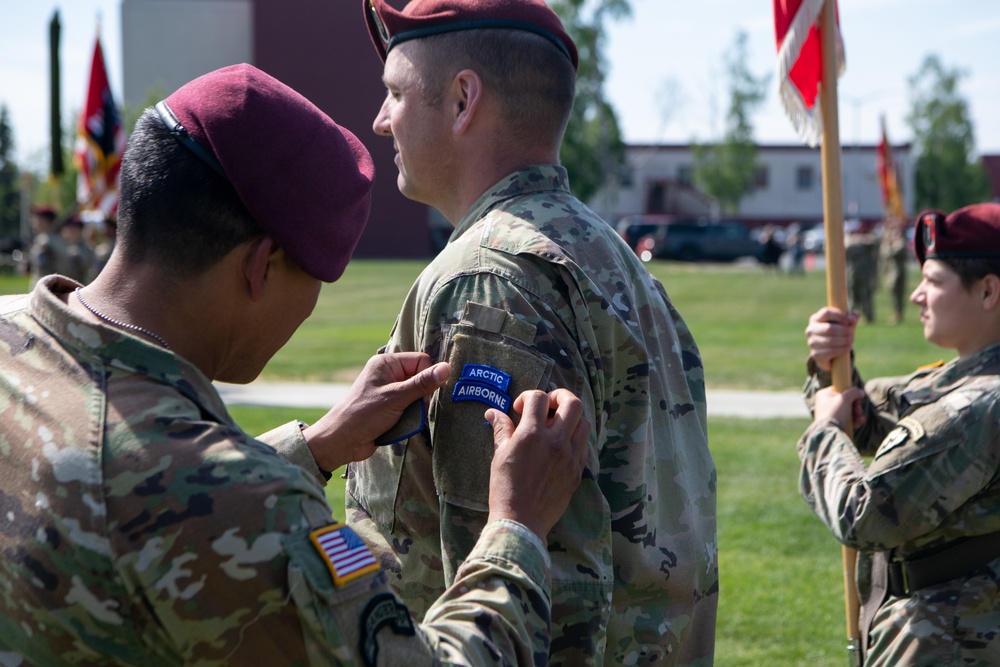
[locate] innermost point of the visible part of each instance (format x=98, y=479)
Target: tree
x=10, y=191
x=945, y=176
x=726, y=170
x=592, y=150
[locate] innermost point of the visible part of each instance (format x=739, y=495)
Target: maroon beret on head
x=44, y=212
x=304, y=179
x=422, y=18
x=972, y=231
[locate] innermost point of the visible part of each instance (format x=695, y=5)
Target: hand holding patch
x=538, y=465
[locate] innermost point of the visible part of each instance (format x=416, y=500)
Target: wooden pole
x=836, y=267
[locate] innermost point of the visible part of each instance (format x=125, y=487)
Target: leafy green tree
x=10, y=191
x=725, y=171
x=592, y=150
x=945, y=175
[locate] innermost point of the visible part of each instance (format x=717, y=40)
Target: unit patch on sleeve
x=484, y=384
x=383, y=609
x=347, y=556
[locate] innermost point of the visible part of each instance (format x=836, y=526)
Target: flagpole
x=836, y=269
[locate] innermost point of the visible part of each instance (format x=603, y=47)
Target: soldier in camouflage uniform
x=138, y=524
x=533, y=290
x=894, y=256
x=861, y=250
x=45, y=255
x=925, y=513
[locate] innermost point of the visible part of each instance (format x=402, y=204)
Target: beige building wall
x=166, y=43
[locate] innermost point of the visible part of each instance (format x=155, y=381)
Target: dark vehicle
x=688, y=240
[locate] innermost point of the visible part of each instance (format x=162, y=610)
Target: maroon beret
x=972, y=231
x=304, y=179
x=44, y=211
x=422, y=18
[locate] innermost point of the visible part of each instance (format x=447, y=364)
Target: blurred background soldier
x=78, y=256
x=895, y=256
x=861, y=249
x=46, y=253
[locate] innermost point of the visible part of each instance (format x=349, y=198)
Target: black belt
x=955, y=560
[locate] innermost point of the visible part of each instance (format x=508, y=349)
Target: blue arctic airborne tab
x=486, y=375
x=466, y=390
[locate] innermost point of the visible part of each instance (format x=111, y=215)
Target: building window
x=684, y=175
x=804, y=178
x=626, y=177
x=760, y=175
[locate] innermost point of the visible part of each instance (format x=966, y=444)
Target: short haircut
x=971, y=269
x=174, y=211
x=532, y=79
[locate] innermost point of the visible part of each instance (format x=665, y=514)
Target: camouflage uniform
x=935, y=437
x=46, y=255
x=140, y=525
x=895, y=256
x=533, y=286
x=861, y=253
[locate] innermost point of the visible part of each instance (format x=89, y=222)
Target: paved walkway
x=724, y=403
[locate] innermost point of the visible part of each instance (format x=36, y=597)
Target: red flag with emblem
x=100, y=142
x=800, y=63
x=892, y=203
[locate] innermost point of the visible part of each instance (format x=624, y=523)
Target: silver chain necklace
x=123, y=325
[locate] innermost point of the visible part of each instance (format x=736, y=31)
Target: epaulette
x=937, y=364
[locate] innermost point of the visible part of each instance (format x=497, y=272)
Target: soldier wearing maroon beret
x=534, y=291
x=141, y=525
x=923, y=514
x=47, y=251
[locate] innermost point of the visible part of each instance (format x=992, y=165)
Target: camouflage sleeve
x=927, y=467
x=236, y=560
x=503, y=337
x=290, y=444
x=879, y=405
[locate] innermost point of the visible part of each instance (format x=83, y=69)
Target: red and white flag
x=100, y=142
x=892, y=202
x=800, y=63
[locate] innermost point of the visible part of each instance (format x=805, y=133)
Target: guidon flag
x=800, y=63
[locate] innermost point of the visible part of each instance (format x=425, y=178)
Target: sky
x=666, y=75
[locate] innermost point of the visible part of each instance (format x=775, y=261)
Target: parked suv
x=688, y=240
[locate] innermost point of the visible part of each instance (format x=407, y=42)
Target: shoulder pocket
x=492, y=362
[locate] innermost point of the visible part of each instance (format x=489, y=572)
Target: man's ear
x=467, y=89
x=991, y=291
x=257, y=264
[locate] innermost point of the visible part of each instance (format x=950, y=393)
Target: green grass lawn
x=749, y=324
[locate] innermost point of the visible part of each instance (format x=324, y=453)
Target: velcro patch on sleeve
x=345, y=554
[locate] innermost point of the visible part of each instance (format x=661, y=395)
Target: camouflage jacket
x=140, y=526
x=535, y=291
x=46, y=255
x=935, y=437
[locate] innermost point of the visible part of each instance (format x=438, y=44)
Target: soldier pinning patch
x=344, y=553
x=383, y=609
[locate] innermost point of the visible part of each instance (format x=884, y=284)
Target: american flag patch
x=347, y=556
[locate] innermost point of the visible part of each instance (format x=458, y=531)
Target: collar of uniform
x=530, y=180
x=953, y=375
x=110, y=346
